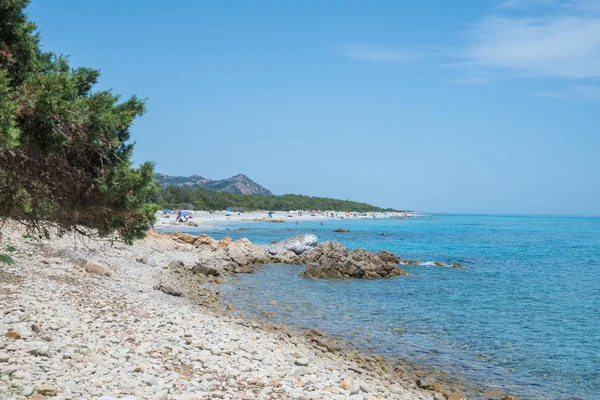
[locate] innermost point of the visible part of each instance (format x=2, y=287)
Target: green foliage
x=64, y=149
x=6, y=259
x=10, y=249
x=177, y=197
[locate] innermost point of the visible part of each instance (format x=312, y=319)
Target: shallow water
x=524, y=315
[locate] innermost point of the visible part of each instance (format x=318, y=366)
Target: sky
x=467, y=106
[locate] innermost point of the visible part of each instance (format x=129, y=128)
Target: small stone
x=397, y=389
x=217, y=395
x=37, y=396
x=365, y=388
x=302, y=362
x=36, y=328
x=151, y=381
x=456, y=396
x=9, y=371
x=168, y=289
x=345, y=385
x=27, y=391
x=139, y=368
x=96, y=268
x=355, y=389
x=229, y=307
x=510, y=398
x=424, y=383
x=13, y=335
x=162, y=396
x=47, y=390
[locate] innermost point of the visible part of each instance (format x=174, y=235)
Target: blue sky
x=470, y=106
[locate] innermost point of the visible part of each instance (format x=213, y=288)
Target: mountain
x=239, y=184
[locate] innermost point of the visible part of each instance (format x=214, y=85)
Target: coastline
x=117, y=335
x=206, y=220
x=139, y=268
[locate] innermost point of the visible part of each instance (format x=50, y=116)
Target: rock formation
x=327, y=260
x=333, y=260
x=298, y=244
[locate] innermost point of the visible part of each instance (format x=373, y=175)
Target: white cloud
x=378, y=53
x=560, y=46
x=522, y=39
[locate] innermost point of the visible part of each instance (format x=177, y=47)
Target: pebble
x=28, y=390
x=47, y=390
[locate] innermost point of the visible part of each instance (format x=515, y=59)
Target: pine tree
x=65, y=156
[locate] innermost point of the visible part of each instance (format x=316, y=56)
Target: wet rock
x=332, y=260
x=285, y=257
x=330, y=344
x=297, y=245
x=510, y=398
x=341, y=230
x=458, y=395
x=425, y=383
x=191, y=223
x=96, y=268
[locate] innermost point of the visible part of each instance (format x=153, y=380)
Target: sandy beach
x=86, y=318
x=212, y=219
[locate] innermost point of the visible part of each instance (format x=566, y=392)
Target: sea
x=523, y=315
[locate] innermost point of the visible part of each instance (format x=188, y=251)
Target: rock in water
x=298, y=244
x=333, y=260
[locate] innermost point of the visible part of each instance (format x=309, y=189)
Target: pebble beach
x=85, y=318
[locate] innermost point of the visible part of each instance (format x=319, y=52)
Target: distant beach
x=207, y=220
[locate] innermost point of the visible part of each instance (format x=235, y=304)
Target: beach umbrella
x=184, y=213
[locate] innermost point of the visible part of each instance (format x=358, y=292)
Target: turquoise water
x=524, y=315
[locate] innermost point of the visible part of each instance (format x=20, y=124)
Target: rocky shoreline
x=86, y=318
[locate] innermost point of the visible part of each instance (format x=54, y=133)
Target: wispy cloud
x=520, y=39
x=378, y=53
x=560, y=46
x=572, y=92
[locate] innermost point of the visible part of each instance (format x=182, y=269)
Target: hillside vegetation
x=176, y=197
